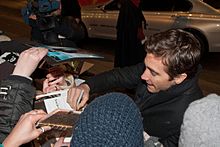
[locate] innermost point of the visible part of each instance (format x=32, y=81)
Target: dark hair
x=180, y=51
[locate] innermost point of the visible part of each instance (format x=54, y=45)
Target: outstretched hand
x=28, y=61
x=25, y=130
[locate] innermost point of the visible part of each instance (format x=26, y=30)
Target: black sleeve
x=171, y=141
x=71, y=8
x=127, y=77
x=16, y=98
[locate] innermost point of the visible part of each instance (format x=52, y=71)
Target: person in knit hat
x=201, y=124
x=110, y=120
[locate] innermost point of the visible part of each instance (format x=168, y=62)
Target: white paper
x=58, y=99
x=58, y=102
x=79, y=81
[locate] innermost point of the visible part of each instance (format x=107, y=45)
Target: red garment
x=140, y=34
x=90, y=2
x=136, y=2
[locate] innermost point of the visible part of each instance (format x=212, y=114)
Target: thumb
x=60, y=142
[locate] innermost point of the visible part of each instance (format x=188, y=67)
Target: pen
x=51, y=94
x=80, y=97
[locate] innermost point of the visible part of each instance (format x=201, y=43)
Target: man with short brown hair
x=166, y=83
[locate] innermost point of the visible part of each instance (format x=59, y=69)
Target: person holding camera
x=50, y=18
x=41, y=15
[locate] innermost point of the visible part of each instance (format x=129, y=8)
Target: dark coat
x=130, y=51
x=163, y=111
x=71, y=8
x=16, y=98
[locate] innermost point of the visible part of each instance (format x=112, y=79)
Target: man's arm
x=127, y=77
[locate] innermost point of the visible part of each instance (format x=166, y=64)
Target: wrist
x=10, y=142
x=21, y=78
x=20, y=73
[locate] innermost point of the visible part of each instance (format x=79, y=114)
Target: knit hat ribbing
x=201, y=124
x=110, y=120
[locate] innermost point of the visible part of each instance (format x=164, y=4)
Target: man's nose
x=145, y=75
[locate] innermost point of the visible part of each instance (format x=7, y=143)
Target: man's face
x=155, y=75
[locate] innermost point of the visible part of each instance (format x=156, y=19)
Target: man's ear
x=180, y=78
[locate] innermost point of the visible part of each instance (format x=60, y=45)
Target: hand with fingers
x=75, y=93
x=52, y=83
x=54, y=80
x=57, y=79
x=28, y=61
x=25, y=130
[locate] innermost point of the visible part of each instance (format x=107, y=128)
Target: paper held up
x=61, y=122
x=58, y=57
x=58, y=99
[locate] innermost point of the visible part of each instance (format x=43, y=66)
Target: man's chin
x=151, y=89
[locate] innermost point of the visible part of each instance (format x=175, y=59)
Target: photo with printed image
x=59, y=55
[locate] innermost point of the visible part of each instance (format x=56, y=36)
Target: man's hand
x=74, y=95
x=28, y=61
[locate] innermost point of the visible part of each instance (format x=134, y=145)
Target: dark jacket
x=71, y=8
x=16, y=98
x=130, y=51
x=162, y=112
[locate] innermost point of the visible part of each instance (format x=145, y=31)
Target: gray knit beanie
x=201, y=124
x=111, y=120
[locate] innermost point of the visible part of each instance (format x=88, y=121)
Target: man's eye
x=153, y=73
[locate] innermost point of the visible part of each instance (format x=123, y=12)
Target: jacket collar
x=166, y=96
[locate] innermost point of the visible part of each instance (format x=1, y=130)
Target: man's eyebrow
x=151, y=70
